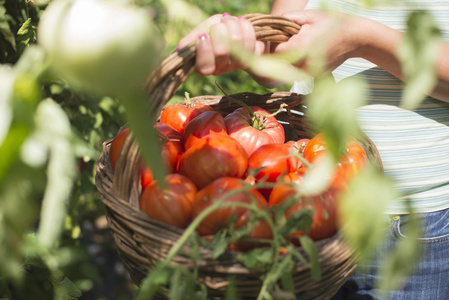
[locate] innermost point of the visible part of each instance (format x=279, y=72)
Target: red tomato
x=213, y=156
x=220, y=218
x=349, y=164
x=171, y=150
x=354, y=159
x=179, y=115
x=299, y=144
x=209, y=122
x=314, y=148
x=146, y=175
x=172, y=205
x=169, y=131
x=116, y=146
x=254, y=131
x=324, y=222
x=271, y=161
x=171, y=146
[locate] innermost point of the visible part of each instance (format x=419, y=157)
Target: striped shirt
x=414, y=145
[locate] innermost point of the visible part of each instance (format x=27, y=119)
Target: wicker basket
x=142, y=242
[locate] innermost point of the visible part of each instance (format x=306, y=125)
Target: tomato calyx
x=188, y=100
x=259, y=120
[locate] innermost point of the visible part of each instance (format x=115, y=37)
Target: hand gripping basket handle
x=174, y=70
x=171, y=73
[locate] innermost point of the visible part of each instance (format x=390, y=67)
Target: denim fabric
x=430, y=279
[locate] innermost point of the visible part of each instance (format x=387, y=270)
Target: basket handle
x=173, y=71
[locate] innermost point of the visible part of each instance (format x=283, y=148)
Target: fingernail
x=177, y=48
x=202, y=37
x=226, y=14
x=239, y=17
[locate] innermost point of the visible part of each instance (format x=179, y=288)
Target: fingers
x=200, y=29
x=214, y=49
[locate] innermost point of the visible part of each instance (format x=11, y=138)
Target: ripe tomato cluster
x=239, y=159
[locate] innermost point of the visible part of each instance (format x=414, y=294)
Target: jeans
x=430, y=277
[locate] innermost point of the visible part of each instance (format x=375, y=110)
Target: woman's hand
x=213, y=38
x=332, y=36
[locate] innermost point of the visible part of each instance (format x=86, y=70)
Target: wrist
x=375, y=42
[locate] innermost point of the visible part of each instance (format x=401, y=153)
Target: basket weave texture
x=142, y=242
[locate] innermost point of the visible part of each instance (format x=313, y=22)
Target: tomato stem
x=281, y=107
x=187, y=99
x=237, y=101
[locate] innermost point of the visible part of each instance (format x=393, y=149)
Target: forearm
x=278, y=7
x=380, y=45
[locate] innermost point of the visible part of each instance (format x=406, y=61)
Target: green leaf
x=6, y=112
x=362, y=210
x=184, y=285
x=286, y=274
x=9, y=151
x=141, y=122
x=156, y=278
x=417, y=54
x=312, y=252
x=231, y=293
x=17, y=215
x=298, y=221
x=399, y=262
x=5, y=30
x=55, y=130
x=23, y=96
x=220, y=243
x=25, y=36
x=257, y=258
x=318, y=180
x=331, y=108
x=64, y=289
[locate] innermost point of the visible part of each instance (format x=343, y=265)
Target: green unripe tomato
x=100, y=46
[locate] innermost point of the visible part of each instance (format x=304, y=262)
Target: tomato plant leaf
x=24, y=96
x=398, y=264
x=52, y=122
x=17, y=214
x=25, y=36
x=417, y=56
x=286, y=275
x=312, y=252
x=6, y=113
x=257, y=258
x=64, y=288
x=220, y=243
x=156, y=278
x=183, y=285
x=231, y=293
x=318, y=180
x=330, y=97
x=5, y=30
x=362, y=210
x=141, y=123
x=298, y=221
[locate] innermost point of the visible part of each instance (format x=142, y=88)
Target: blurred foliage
x=53, y=234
